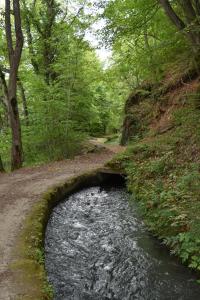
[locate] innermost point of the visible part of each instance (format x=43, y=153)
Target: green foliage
x=186, y=245
x=39, y=255
x=143, y=39
x=163, y=176
x=69, y=94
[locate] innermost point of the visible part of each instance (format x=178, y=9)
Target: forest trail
x=21, y=189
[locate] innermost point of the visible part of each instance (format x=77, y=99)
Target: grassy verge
x=164, y=177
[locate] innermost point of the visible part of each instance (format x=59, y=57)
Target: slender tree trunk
x=190, y=25
x=4, y=88
x=197, y=6
x=172, y=14
x=189, y=10
x=49, y=49
x=1, y=166
x=1, y=163
x=14, y=60
x=21, y=89
x=5, y=119
x=45, y=32
x=16, y=152
x=27, y=24
x=4, y=99
x=192, y=18
x=24, y=101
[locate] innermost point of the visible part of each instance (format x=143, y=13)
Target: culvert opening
x=109, y=178
x=96, y=247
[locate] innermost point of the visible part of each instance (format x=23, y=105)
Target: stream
x=97, y=248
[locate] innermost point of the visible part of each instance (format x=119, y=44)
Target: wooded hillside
x=55, y=90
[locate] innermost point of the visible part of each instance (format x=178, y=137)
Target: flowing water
x=97, y=248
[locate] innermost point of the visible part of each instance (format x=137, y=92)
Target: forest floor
x=19, y=190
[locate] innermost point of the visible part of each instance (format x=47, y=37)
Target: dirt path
x=21, y=189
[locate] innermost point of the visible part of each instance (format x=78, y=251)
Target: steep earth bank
x=162, y=129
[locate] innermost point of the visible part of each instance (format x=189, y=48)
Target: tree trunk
x=24, y=102
x=44, y=30
x=16, y=152
x=189, y=11
x=4, y=88
x=191, y=23
x=14, y=60
x=4, y=99
x=192, y=18
x=172, y=15
x=1, y=166
x=49, y=49
x=27, y=24
x=197, y=6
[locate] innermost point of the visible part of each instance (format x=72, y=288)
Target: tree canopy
x=57, y=92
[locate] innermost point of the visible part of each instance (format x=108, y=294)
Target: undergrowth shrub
x=163, y=174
